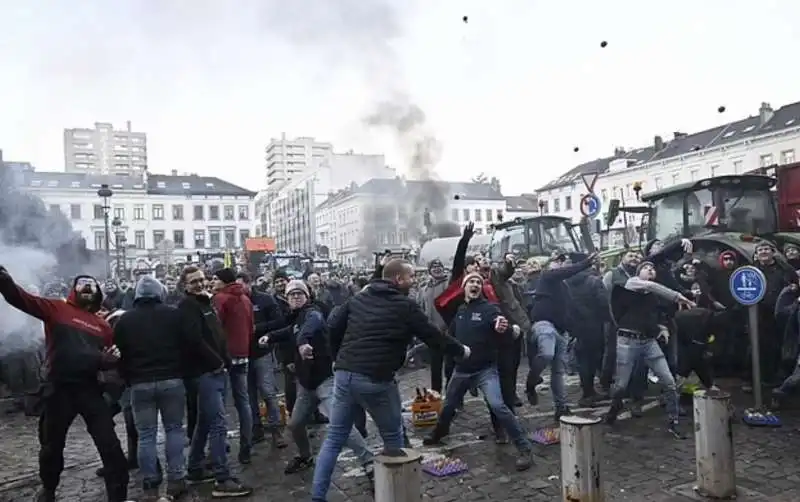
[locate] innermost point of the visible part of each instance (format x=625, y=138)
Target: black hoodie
x=308, y=328
x=203, y=335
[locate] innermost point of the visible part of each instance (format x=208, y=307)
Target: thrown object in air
x=603, y=44
x=576, y=149
x=721, y=109
x=465, y=19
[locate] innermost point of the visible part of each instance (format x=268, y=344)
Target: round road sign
x=590, y=205
x=748, y=285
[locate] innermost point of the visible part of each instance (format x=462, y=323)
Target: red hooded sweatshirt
x=235, y=312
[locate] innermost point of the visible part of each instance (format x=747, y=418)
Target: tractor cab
x=725, y=204
x=539, y=236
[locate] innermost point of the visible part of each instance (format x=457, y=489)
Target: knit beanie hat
x=297, y=285
x=226, y=275
x=644, y=264
x=472, y=275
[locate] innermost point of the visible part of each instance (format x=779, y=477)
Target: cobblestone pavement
x=640, y=461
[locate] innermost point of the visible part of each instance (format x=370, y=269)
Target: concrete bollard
x=398, y=479
x=581, y=479
x=713, y=440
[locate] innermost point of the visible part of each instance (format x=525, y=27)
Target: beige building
x=105, y=150
x=287, y=158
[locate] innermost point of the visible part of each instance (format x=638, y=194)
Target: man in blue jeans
x=368, y=338
x=208, y=358
x=480, y=326
x=547, y=344
x=151, y=361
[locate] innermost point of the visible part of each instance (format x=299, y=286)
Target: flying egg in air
x=576, y=149
x=603, y=44
x=465, y=19
x=721, y=109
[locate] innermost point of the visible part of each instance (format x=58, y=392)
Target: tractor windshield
x=733, y=209
x=538, y=236
x=666, y=220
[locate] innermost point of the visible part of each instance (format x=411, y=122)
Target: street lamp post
x=105, y=193
x=117, y=223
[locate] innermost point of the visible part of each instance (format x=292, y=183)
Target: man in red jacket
x=79, y=348
x=235, y=312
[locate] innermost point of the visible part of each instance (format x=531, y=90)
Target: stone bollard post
x=713, y=440
x=398, y=478
x=581, y=479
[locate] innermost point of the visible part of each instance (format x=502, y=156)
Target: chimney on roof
x=619, y=151
x=766, y=113
x=174, y=172
x=678, y=135
x=658, y=143
x=129, y=126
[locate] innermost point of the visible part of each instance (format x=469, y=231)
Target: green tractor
x=722, y=213
x=539, y=237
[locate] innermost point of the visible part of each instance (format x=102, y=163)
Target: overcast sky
x=510, y=93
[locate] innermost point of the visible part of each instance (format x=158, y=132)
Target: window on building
x=455, y=214
x=787, y=156
x=499, y=215
x=676, y=178
x=98, y=211
x=158, y=237
x=119, y=213
x=177, y=212
x=244, y=234
x=244, y=212
x=214, y=238
x=229, y=213
x=556, y=205
x=138, y=212
x=737, y=167
x=489, y=215
x=199, y=239
x=177, y=239
x=139, y=240
x=568, y=203
x=54, y=208
x=478, y=215
x=766, y=160
x=213, y=213
x=75, y=211
x=545, y=206
x=100, y=240
x=158, y=211
x=230, y=238
x=694, y=174
x=658, y=181
x=199, y=213
x=604, y=195
x=713, y=170
x=465, y=213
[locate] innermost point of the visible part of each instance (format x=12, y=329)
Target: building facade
x=105, y=150
x=286, y=158
x=522, y=206
x=767, y=138
x=388, y=213
x=290, y=209
x=160, y=218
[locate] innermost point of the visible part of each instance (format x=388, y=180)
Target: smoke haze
x=360, y=34
x=35, y=246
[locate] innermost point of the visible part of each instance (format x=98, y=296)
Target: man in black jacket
x=548, y=345
x=368, y=339
x=313, y=364
x=261, y=371
x=151, y=363
x=210, y=359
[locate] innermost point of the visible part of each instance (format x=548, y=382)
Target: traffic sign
x=748, y=285
x=590, y=205
x=589, y=179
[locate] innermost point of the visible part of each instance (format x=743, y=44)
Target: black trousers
x=191, y=406
x=508, y=360
x=440, y=362
x=695, y=357
x=589, y=353
x=289, y=390
x=61, y=404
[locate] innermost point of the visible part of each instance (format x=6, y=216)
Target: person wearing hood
x=209, y=359
x=313, y=367
x=235, y=312
x=112, y=297
x=481, y=326
x=151, y=345
x=792, y=254
x=261, y=370
x=427, y=297
x=547, y=343
x=333, y=293
x=127, y=294
x=79, y=346
x=635, y=309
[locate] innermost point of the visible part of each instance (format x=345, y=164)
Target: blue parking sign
x=748, y=285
